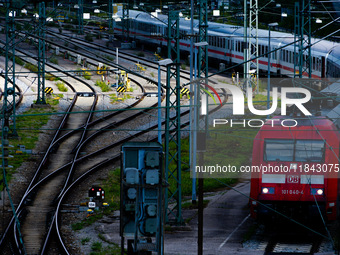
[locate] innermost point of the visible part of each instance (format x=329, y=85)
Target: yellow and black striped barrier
x=185, y=91
x=48, y=90
x=121, y=89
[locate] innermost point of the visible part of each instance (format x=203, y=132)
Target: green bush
x=103, y=85
x=61, y=86
x=31, y=67
x=85, y=240
x=19, y=61
x=54, y=60
x=97, y=246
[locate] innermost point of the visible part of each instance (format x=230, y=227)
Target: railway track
x=41, y=204
x=33, y=233
x=84, y=174
x=108, y=160
x=283, y=240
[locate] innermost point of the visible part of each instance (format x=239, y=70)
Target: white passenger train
x=226, y=44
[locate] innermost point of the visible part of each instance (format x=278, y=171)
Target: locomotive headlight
x=267, y=190
x=317, y=191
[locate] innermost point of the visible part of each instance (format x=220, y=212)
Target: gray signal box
x=141, y=203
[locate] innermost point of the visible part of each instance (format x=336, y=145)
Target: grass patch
x=85, y=240
x=28, y=128
x=54, y=60
x=96, y=246
x=114, y=98
x=51, y=77
x=19, y=61
x=103, y=86
x=97, y=249
x=190, y=205
x=225, y=146
x=61, y=86
x=87, y=222
x=31, y=67
x=54, y=99
x=111, y=185
x=260, y=99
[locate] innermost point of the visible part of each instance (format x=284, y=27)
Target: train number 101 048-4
x=292, y=192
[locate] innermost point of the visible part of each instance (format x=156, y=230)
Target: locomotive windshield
x=294, y=150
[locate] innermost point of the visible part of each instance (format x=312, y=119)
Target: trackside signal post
x=141, y=198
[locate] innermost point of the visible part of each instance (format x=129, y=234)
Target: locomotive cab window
x=294, y=150
x=309, y=150
x=278, y=150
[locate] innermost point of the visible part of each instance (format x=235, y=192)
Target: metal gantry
x=173, y=125
x=253, y=42
x=80, y=17
x=302, y=38
x=203, y=50
x=41, y=54
x=111, y=27
x=203, y=37
x=8, y=107
x=125, y=21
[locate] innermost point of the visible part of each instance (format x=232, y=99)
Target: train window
x=274, y=54
x=309, y=150
x=278, y=150
x=294, y=150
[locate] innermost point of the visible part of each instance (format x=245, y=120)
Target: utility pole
x=80, y=17
x=111, y=27
x=202, y=132
x=41, y=54
x=125, y=21
x=302, y=38
x=245, y=46
x=173, y=123
x=253, y=44
x=8, y=108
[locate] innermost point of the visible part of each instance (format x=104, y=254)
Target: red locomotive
x=295, y=170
